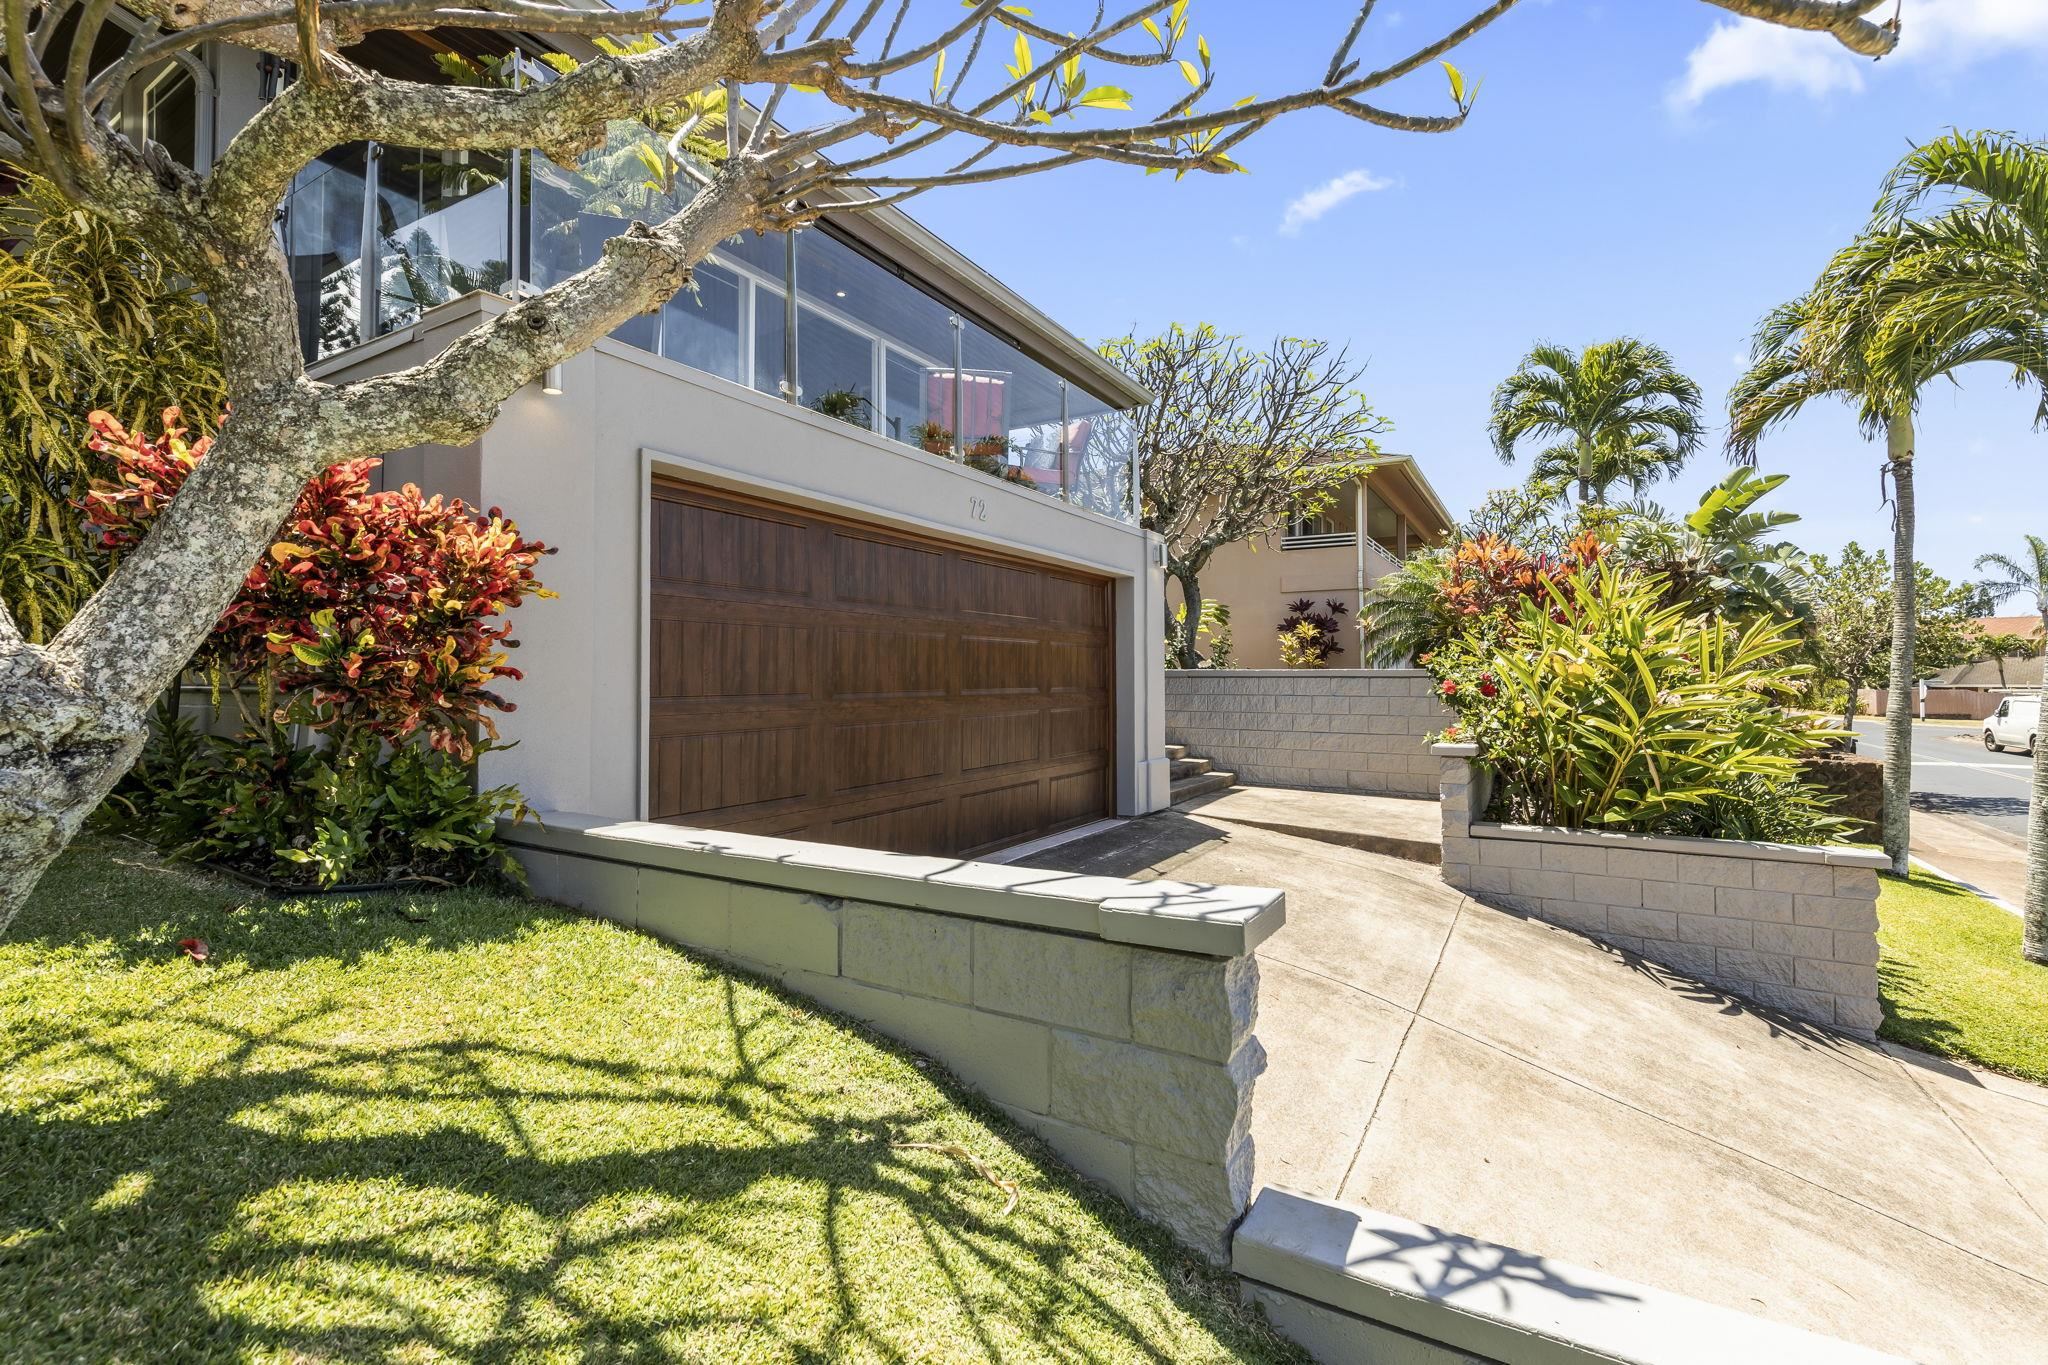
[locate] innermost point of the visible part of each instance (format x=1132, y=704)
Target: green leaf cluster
x=347, y=812
x=88, y=320
x=1601, y=706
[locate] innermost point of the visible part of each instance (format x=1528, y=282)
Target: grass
x=462, y=1126
x=1953, y=981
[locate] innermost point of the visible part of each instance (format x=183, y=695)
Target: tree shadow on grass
x=256, y=1162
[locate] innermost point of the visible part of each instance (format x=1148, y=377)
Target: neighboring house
x=901, y=602
x=1324, y=558
x=2027, y=627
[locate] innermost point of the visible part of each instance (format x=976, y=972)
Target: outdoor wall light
x=551, y=381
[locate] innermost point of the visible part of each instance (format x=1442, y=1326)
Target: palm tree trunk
x=1898, y=711
x=2034, y=936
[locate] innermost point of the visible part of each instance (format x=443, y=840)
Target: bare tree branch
x=364, y=16
x=1843, y=18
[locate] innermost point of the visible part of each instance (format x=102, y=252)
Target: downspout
x=1359, y=540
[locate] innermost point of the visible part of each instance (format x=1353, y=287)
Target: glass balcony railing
x=377, y=235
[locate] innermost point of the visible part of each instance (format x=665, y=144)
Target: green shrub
x=1598, y=706
x=350, y=811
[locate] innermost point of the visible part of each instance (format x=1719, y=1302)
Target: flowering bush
x=373, y=618
x=1488, y=575
x=1600, y=706
x=372, y=611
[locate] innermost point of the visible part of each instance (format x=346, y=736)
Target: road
x=1953, y=774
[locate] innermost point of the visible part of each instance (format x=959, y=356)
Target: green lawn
x=1953, y=980
x=506, y=1132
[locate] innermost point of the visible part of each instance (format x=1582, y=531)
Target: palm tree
x=1998, y=648
x=1820, y=345
x=1619, y=412
x=2026, y=576
x=1970, y=279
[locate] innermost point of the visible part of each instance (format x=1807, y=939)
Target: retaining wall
x=1790, y=926
x=1353, y=1284
x=1365, y=730
x=1113, y=1018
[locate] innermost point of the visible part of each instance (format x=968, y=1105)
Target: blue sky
x=1633, y=166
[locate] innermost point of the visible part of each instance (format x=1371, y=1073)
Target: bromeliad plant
x=1600, y=706
x=376, y=621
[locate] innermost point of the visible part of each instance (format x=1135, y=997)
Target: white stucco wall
x=574, y=469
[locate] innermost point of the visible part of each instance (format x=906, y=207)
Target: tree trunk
x=1898, y=711
x=2034, y=937
x=73, y=715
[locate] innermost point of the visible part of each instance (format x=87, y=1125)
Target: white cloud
x=1957, y=32
x=1313, y=204
x=1751, y=50
x=1939, y=33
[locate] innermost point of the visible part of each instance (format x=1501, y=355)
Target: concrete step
x=1176, y=751
x=1190, y=767
x=1188, y=788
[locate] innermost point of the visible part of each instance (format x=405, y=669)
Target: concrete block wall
x=1101, y=1015
x=1790, y=926
x=1365, y=731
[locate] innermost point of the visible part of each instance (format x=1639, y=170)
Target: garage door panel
x=840, y=682
x=1073, y=797
x=1077, y=730
x=1074, y=603
x=1074, y=667
x=875, y=573
x=999, y=739
x=999, y=815
x=920, y=827
x=730, y=547
x=877, y=753
x=697, y=660
x=879, y=661
x=989, y=588
x=730, y=768
x=996, y=666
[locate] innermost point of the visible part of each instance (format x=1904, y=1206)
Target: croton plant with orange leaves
x=377, y=612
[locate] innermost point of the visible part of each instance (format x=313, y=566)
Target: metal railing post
x=514, y=277
x=1066, y=450
x=959, y=413
x=789, y=350
x=368, y=285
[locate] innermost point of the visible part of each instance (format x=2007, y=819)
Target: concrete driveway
x=1468, y=1068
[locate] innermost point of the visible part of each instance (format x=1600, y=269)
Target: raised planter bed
x=1790, y=926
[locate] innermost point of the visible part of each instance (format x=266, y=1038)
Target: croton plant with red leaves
x=377, y=612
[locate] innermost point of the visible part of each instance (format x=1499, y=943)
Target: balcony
x=377, y=235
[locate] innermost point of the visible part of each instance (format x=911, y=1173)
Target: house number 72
x=977, y=508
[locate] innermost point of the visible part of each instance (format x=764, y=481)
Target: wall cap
x=1186, y=917
x=1436, y=1285
x=1667, y=843
x=1455, y=749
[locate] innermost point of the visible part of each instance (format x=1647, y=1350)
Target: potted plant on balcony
x=846, y=406
x=934, y=438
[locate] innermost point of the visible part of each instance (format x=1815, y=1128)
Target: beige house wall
x=1259, y=578
x=575, y=470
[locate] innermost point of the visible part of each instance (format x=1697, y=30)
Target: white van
x=2016, y=722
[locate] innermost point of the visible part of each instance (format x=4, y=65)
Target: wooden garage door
x=827, y=680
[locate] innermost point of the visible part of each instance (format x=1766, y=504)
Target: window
x=701, y=327
x=170, y=112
